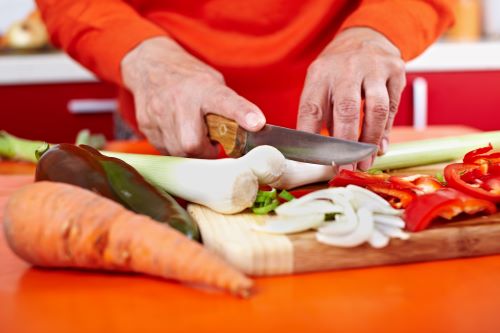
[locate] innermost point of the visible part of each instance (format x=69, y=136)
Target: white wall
x=13, y=10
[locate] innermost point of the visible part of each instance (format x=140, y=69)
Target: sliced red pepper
x=403, y=183
x=398, y=197
x=446, y=203
x=428, y=184
x=347, y=177
x=478, y=156
x=464, y=177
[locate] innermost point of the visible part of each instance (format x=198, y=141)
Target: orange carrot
x=60, y=225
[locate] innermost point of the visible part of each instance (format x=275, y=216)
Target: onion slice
x=290, y=224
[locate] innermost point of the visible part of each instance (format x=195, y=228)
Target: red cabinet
x=42, y=111
x=456, y=98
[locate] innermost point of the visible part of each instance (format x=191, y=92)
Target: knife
x=295, y=145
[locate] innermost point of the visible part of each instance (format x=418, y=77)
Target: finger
x=225, y=102
x=155, y=137
x=346, y=110
x=194, y=141
x=314, y=103
x=376, y=115
x=376, y=110
x=395, y=88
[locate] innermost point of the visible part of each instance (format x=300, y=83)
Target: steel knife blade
x=295, y=145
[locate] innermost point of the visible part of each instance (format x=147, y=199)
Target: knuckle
x=380, y=111
x=398, y=66
x=347, y=109
x=310, y=111
x=393, y=107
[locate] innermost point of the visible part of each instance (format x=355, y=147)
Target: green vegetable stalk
x=14, y=148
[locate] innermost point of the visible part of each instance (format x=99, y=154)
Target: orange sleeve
x=97, y=33
x=412, y=25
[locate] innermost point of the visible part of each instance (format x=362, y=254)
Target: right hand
x=173, y=91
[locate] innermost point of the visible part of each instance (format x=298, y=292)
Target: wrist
x=143, y=56
x=365, y=36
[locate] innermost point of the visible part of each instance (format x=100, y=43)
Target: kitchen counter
x=448, y=296
x=59, y=68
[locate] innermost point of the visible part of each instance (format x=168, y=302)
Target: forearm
x=97, y=33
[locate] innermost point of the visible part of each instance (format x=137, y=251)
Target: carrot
x=60, y=225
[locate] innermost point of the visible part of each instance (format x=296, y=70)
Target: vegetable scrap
x=60, y=225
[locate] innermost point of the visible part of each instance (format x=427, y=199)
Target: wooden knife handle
x=228, y=133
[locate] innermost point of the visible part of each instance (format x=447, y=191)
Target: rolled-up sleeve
x=97, y=33
x=411, y=25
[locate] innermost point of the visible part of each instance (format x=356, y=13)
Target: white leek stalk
x=227, y=186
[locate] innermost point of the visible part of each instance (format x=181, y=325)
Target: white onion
x=360, y=216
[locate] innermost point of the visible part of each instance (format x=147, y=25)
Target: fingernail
x=253, y=120
x=383, y=146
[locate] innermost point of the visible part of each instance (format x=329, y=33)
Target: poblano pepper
x=110, y=177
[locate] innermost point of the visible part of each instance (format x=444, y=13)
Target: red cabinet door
x=41, y=111
x=456, y=98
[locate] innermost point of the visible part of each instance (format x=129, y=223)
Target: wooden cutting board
x=261, y=254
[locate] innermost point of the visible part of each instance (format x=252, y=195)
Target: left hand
x=359, y=62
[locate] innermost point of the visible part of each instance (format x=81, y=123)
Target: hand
x=173, y=91
x=359, y=62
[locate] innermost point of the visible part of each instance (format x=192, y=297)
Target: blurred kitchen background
x=45, y=94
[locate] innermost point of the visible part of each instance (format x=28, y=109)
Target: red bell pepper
x=473, y=180
x=445, y=203
x=399, y=192
x=397, y=196
x=347, y=177
x=478, y=156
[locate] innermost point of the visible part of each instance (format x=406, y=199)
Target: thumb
x=225, y=102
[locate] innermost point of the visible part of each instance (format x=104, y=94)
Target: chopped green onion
x=285, y=195
x=265, y=202
x=262, y=210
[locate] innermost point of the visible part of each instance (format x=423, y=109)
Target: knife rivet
x=222, y=129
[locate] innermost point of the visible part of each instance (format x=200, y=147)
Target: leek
x=15, y=148
x=432, y=151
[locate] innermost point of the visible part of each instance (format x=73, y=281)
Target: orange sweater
x=262, y=47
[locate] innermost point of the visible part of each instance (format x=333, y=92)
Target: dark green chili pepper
x=86, y=167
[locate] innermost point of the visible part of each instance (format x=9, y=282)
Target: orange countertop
x=447, y=296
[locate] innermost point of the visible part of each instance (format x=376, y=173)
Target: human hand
x=359, y=62
x=173, y=91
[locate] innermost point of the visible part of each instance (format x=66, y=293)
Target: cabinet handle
x=91, y=106
x=420, y=103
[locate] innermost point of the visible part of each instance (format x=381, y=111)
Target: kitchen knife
x=295, y=145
